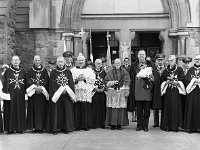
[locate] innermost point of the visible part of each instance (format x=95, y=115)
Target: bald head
x=141, y=55
x=81, y=60
x=60, y=62
x=37, y=60
x=197, y=59
x=117, y=63
x=98, y=63
x=15, y=61
x=172, y=60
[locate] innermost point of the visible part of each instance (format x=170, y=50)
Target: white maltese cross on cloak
x=62, y=80
x=38, y=81
x=16, y=81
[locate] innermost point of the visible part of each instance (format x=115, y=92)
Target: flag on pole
x=91, y=55
x=108, y=50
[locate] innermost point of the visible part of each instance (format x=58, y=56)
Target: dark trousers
x=143, y=113
x=156, y=116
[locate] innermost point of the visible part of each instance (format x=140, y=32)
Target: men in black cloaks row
x=192, y=111
x=99, y=97
x=145, y=91
x=159, y=70
x=60, y=115
x=172, y=89
x=37, y=90
x=14, y=91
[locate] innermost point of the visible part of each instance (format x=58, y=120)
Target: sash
x=191, y=86
x=58, y=93
x=32, y=89
x=181, y=88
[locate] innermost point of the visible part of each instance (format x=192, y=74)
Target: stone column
x=68, y=41
x=84, y=43
x=166, y=43
x=77, y=44
x=181, y=46
x=174, y=45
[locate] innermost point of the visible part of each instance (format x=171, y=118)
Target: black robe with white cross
x=14, y=109
x=60, y=114
x=192, y=109
x=37, y=103
x=172, y=115
x=99, y=100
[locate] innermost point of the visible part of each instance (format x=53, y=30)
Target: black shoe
x=77, y=129
x=138, y=129
x=10, y=132
x=155, y=125
x=103, y=127
x=167, y=130
x=20, y=132
x=119, y=127
x=86, y=129
x=54, y=133
x=41, y=131
x=175, y=130
x=112, y=128
x=146, y=129
x=191, y=131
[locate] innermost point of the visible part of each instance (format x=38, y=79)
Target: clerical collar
x=60, y=69
x=81, y=67
x=196, y=66
x=158, y=66
x=172, y=69
x=38, y=69
x=15, y=69
x=97, y=70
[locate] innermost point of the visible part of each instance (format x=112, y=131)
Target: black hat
x=67, y=54
x=187, y=60
x=160, y=56
x=52, y=62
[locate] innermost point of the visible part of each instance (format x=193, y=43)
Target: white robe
x=83, y=90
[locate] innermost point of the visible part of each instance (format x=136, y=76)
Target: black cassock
x=99, y=100
x=192, y=109
x=172, y=115
x=14, y=109
x=37, y=103
x=60, y=114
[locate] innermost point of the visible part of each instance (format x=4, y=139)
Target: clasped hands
x=81, y=77
x=197, y=81
x=111, y=83
x=170, y=80
x=38, y=89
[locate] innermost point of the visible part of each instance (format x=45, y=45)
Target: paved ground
x=103, y=139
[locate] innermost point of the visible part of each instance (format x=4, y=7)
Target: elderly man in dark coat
x=144, y=90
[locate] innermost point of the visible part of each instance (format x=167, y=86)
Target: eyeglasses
x=197, y=59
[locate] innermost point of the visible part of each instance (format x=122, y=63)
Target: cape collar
x=38, y=69
x=84, y=67
x=16, y=70
x=60, y=70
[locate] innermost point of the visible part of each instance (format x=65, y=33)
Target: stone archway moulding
x=179, y=11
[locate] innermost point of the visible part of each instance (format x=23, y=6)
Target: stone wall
x=193, y=42
x=45, y=43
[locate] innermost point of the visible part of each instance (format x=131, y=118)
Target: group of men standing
x=69, y=98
